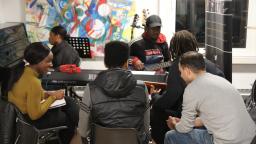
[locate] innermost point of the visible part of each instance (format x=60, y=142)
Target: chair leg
x=17, y=139
x=59, y=140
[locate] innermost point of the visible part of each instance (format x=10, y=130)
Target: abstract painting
x=99, y=20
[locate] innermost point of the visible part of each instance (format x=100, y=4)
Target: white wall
x=248, y=55
x=165, y=9
x=1, y=12
x=12, y=10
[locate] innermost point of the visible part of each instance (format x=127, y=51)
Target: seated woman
x=62, y=51
x=27, y=94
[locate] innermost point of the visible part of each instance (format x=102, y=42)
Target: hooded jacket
x=117, y=100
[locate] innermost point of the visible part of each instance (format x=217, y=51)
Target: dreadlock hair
x=182, y=42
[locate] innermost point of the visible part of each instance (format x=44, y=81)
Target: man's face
x=185, y=74
x=154, y=32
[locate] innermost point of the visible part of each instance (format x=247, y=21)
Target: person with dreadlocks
x=151, y=47
x=170, y=102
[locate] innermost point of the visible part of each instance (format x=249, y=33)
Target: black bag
x=250, y=103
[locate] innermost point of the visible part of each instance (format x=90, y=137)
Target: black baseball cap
x=153, y=21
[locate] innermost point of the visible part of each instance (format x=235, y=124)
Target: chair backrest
x=253, y=93
x=103, y=135
x=26, y=133
x=254, y=140
x=7, y=122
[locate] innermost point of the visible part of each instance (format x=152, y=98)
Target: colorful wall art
x=99, y=20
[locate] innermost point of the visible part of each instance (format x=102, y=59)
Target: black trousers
x=158, y=125
x=67, y=115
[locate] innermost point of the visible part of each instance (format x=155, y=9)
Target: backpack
x=250, y=103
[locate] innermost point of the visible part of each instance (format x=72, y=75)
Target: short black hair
x=36, y=52
x=116, y=54
x=182, y=41
x=60, y=30
x=193, y=60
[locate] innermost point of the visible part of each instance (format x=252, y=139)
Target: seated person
x=217, y=103
x=170, y=102
x=151, y=48
x=63, y=52
x=27, y=94
x=114, y=99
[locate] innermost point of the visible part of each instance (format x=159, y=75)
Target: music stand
x=81, y=45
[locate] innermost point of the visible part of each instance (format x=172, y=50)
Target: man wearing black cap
x=151, y=48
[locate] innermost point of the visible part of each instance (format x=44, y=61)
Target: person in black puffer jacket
x=115, y=99
x=170, y=102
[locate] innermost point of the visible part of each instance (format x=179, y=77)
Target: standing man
x=151, y=48
x=211, y=101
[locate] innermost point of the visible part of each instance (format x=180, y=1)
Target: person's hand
x=172, y=121
x=59, y=94
x=138, y=65
x=198, y=122
x=160, y=71
x=153, y=90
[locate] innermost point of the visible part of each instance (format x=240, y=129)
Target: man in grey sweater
x=209, y=101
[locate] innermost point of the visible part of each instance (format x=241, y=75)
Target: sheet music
x=56, y=103
x=144, y=72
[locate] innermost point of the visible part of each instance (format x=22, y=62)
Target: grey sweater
x=220, y=107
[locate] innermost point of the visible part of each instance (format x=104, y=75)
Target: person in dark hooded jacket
x=115, y=98
x=151, y=47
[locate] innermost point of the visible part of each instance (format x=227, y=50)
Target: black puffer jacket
x=117, y=101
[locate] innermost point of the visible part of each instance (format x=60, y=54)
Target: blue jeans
x=196, y=136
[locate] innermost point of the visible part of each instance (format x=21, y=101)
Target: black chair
x=29, y=134
x=15, y=129
x=7, y=122
x=254, y=140
x=104, y=135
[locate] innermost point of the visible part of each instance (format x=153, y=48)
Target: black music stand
x=81, y=45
